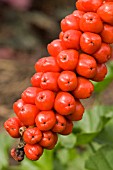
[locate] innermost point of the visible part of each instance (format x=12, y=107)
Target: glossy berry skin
x=84, y=88
x=60, y=124
x=80, y=7
x=91, y=22
x=106, y=12
x=107, y=34
x=27, y=114
x=12, y=126
x=86, y=66
x=36, y=78
x=101, y=73
x=54, y=142
x=67, y=81
x=68, y=59
x=33, y=152
x=70, y=22
x=71, y=39
x=78, y=14
x=17, y=106
x=55, y=47
x=90, y=42
x=47, y=64
x=47, y=139
x=49, y=81
x=29, y=95
x=88, y=5
x=78, y=114
x=45, y=120
x=61, y=34
x=45, y=99
x=64, y=103
x=32, y=135
x=68, y=129
x=103, y=54
x=17, y=154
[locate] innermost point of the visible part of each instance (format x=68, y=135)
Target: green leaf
x=92, y=123
x=65, y=155
x=105, y=136
x=5, y=143
x=27, y=164
x=84, y=138
x=45, y=162
x=71, y=159
x=100, y=86
x=68, y=141
x=78, y=163
x=101, y=160
x=95, y=118
x=58, y=165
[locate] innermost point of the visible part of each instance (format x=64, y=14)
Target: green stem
x=92, y=147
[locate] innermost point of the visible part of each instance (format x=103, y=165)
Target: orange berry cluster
x=52, y=103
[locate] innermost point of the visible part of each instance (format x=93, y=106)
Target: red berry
x=67, y=81
x=36, y=78
x=78, y=14
x=60, y=124
x=49, y=81
x=88, y=5
x=61, y=35
x=101, y=72
x=70, y=22
x=32, y=135
x=12, y=126
x=106, y=12
x=71, y=39
x=107, y=34
x=90, y=42
x=84, y=88
x=91, y=22
x=17, y=106
x=47, y=139
x=79, y=6
x=86, y=66
x=27, y=114
x=78, y=114
x=45, y=120
x=55, y=47
x=68, y=129
x=68, y=59
x=64, y=103
x=54, y=142
x=47, y=64
x=33, y=152
x=45, y=100
x=29, y=95
x=103, y=54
